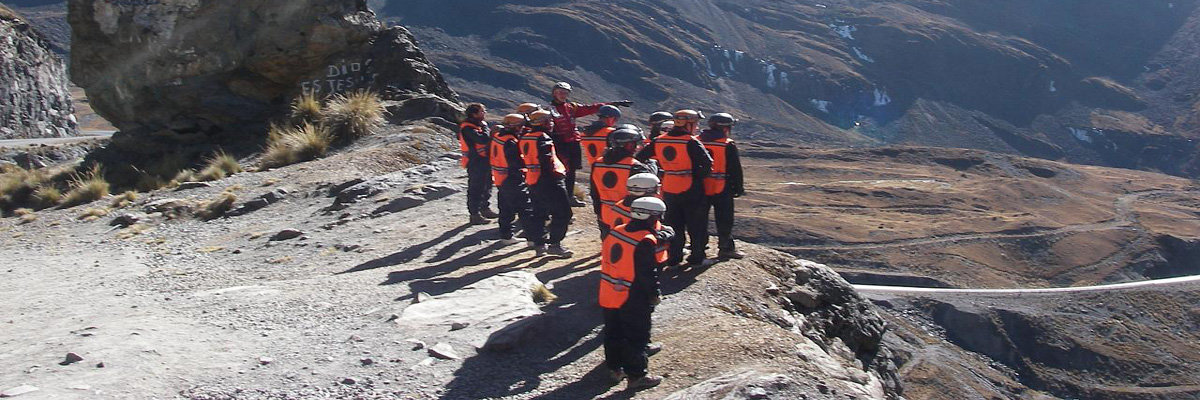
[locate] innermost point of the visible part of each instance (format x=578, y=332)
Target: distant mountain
x=1106, y=82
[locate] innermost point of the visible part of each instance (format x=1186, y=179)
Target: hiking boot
x=540, y=249
x=488, y=213
x=653, y=348
x=731, y=255
x=558, y=250
x=615, y=376
x=479, y=220
x=576, y=203
x=644, y=382
x=671, y=262
x=508, y=241
x=695, y=263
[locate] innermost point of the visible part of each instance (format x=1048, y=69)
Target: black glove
x=622, y=103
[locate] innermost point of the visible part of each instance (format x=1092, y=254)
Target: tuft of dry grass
x=217, y=167
x=306, y=109
x=124, y=199
x=288, y=146
x=354, y=115
x=92, y=214
x=186, y=175
x=133, y=230
x=542, y=294
x=27, y=218
x=21, y=212
x=47, y=196
x=217, y=207
x=86, y=187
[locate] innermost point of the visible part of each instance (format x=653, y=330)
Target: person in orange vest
x=656, y=124
x=508, y=172
x=595, y=136
x=610, y=173
x=566, y=135
x=630, y=262
x=474, y=137
x=685, y=163
x=545, y=174
x=725, y=183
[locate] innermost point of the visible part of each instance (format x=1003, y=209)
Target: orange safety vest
x=672, y=154
x=533, y=167
x=714, y=183
x=595, y=143
x=609, y=180
x=616, y=264
x=466, y=148
x=500, y=162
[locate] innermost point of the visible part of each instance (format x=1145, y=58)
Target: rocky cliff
x=34, y=101
x=201, y=71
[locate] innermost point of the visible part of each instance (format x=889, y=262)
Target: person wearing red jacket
x=566, y=134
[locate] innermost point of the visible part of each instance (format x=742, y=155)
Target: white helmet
x=647, y=207
x=667, y=126
x=644, y=184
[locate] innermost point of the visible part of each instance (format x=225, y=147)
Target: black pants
x=513, y=199
x=722, y=205
x=626, y=335
x=479, y=186
x=550, y=203
x=571, y=154
x=687, y=214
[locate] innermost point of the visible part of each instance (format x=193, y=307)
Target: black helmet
x=609, y=112
x=722, y=120
x=622, y=136
x=660, y=116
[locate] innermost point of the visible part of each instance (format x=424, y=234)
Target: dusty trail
x=83, y=136
x=1180, y=281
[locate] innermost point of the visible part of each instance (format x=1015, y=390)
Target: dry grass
x=280, y=260
x=217, y=167
x=21, y=212
x=124, y=199
x=306, y=109
x=133, y=230
x=288, y=146
x=542, y=294
x=354, y=115
x=217, y=207
x=86, y=187
x=27, y=218
x=47, y=196
x=186, y=175
x=92, y=214
x=211, y=249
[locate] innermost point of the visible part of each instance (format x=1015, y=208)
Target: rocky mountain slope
x=1124, y=344
x=1108, y=83
x=292, y=299
x=965, y=218
x=34, y=101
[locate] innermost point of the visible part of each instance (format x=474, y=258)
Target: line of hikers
x=650, y=193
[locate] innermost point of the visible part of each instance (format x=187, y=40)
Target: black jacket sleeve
x=701, y=165
x=645, y=153
x=512, y=153
x=646, y=270
x=735, y=180
x=595, y=195
x=545, y=159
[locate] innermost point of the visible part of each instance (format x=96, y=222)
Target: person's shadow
x=567, y=321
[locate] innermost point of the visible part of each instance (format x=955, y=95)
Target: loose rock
x=286, y=234
x=71, y=359
x=443, y=351
x=19, y=390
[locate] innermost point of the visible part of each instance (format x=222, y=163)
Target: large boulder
x=206, y=71
x=34, y=100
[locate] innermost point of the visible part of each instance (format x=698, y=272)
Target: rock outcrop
x=34, y=100
x=203, y=71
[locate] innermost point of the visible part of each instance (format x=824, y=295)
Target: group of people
x=650, y=192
